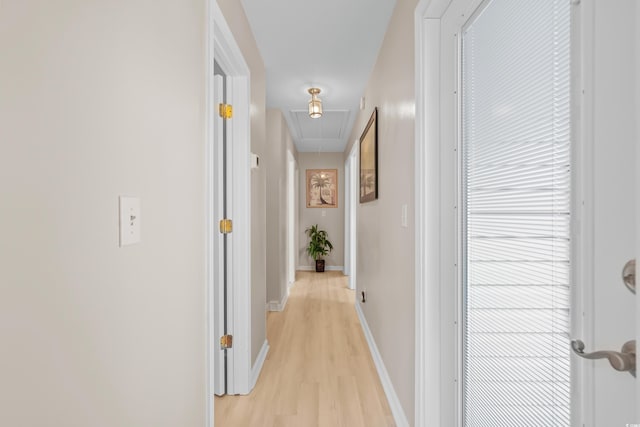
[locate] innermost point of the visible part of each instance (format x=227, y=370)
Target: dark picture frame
x=369, y=160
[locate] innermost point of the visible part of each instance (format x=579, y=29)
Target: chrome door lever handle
x=629, y=275
x=624, y=360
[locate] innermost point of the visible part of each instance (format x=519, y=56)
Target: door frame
x=218, y=253
x=350, y=218
x=637, y=63
x=222, y=47
x=435, y=392
x=291, y=220
x=347, y=218
x=427, y=222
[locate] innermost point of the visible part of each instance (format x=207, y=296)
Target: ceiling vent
x=331, y=127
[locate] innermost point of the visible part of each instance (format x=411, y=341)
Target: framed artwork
x=369, y=160
x=322, y=188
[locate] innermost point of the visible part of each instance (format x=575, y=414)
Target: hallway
x=319, y=371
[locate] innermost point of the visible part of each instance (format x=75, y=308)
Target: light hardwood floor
x=319, y=370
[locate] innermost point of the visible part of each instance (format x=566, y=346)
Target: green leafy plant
x=319, y=244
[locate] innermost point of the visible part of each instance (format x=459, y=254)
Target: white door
x=497, y=234
x=220, y=264
x=229, y=306
x=609, y=134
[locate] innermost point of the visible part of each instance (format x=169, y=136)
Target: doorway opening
x=351, y=205
x=228, y=191
x=292, y=219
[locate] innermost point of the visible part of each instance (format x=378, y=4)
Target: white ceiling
x=329, y=44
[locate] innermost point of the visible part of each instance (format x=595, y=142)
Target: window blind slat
x=516, y=214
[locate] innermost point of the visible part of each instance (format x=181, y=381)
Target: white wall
x=385, y=250
x=279, y=142
x=333, y=219
x=274, y=163
x=237, y=20
x=101, y=99
x=637, y=195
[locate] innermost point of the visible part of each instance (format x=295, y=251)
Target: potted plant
x=319, y=246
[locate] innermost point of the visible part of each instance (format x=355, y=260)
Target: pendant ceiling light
x=315, y=104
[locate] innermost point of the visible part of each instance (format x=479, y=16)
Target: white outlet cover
x=129, y=220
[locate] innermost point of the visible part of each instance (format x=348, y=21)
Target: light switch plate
x=129, y=220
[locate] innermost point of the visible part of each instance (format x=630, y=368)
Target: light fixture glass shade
x=315, y=104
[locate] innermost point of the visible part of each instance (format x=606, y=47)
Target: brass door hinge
x=226, y=341
x=226, y=111
x=226, y=226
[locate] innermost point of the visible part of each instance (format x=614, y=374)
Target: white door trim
x=291, y=220
x=637, y=53
x=427, y=223
x=222, y=48
x=350, y=208
x=582, y=207
x=216, y=203
x=353, y=220
x=347, y=218
x=210, y=240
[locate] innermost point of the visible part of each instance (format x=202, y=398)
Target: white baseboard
x=257, y=367
x=279, y=305
x=394, y=403
x=327, y=268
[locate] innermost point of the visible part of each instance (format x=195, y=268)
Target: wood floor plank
x=349, y=401
x=309, y=404
x=319, y=371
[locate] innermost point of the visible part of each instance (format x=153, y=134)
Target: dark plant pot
x=319, y=266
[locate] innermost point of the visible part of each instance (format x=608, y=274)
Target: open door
x=608, y=142
x=228, y=215
x=531, y=209
x=220, y=252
